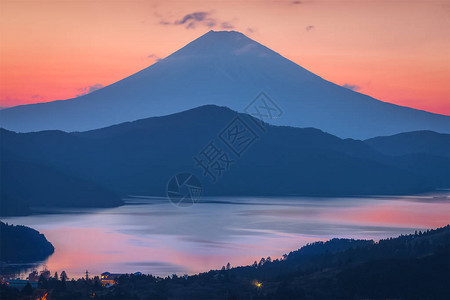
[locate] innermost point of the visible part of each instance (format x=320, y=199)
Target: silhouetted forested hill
x=138, y=158
x=408, y=267
x=414, y=266
x=21, y=244
x=26, y=183
x=425, y=142
x=11, y=205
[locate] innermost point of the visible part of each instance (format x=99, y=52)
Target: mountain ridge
x=413, y=142
x=226, y=69
x=138, y=158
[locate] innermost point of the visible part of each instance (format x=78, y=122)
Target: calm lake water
x=151, y=235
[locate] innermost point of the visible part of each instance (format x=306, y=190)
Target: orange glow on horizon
x=396, y=213
x=393, y=51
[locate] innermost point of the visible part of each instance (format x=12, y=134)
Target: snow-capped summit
x=226, y=68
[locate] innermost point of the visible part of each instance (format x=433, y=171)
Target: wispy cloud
x=251, y=30
x=8, y=102
x=309, y=28
x=89, y=89
x=296, y=2
x=154, y=57
x=352, y=87
x=226, y=25
x=198, y=18
x=37, y=97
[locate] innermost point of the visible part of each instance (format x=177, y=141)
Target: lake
x=151, y=235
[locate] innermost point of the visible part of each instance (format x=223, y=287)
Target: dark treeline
x=413, y=266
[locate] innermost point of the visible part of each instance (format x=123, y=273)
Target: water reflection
x=151, y=235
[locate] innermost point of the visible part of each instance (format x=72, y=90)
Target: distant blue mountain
x=139, y=158
x=416, y=142
x=226, y=69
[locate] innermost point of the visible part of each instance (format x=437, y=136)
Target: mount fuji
x=226, y=68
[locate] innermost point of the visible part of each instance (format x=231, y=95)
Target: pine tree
x=64, y=276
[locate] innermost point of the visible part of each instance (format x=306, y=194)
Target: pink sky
x=395, y=51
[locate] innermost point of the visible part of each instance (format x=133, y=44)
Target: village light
x=257, y=284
